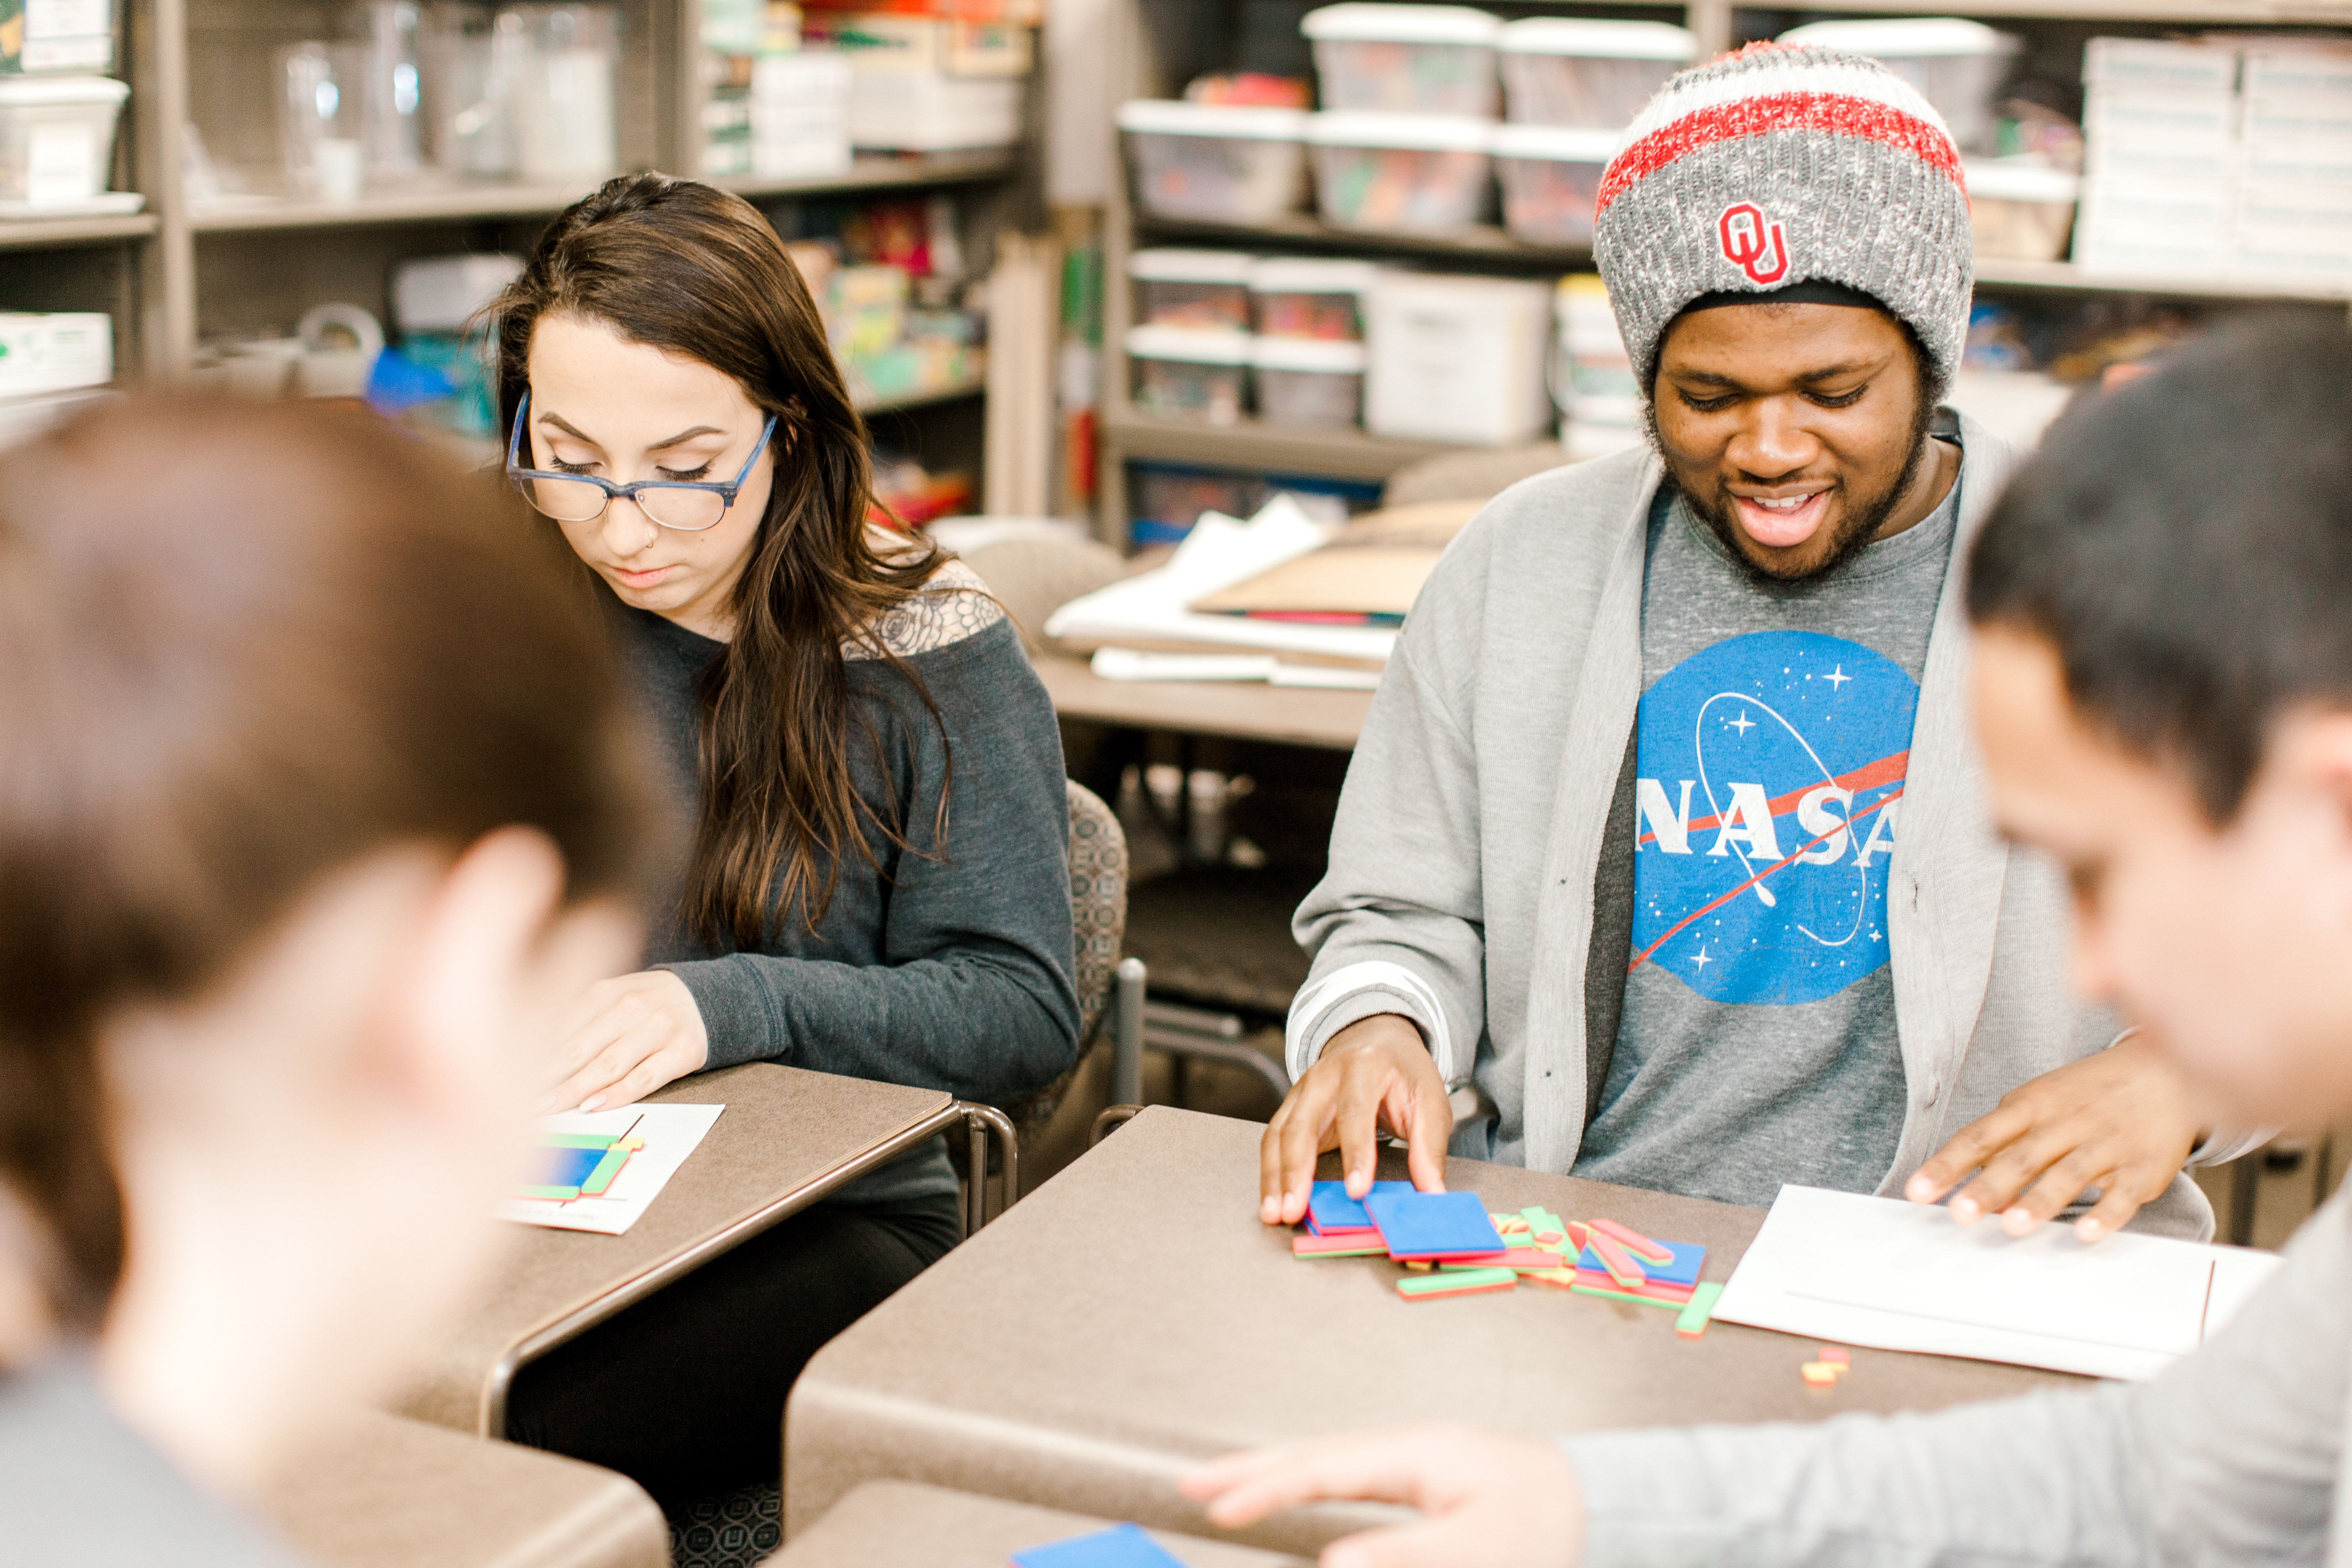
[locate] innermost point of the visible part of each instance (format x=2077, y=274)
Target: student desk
x=1245, y=709
x=1132, y=1317
x=897, y=1524
x=381, y=1492
x=787, y=1139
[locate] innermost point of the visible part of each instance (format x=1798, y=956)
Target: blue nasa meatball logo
x=1768, y=780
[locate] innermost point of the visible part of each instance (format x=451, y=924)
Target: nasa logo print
x=1753, y=243
x=1768, y=780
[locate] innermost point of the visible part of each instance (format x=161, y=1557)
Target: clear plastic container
x=1404, y=59
x=1550, y=173
x=1203, y=290
x=1569, y=71
x=1411, y=173
x=1215, y=162
x=2019, y=211
x=1302, y=381
x=1310, y=297
x=1957, y=65
x=1190, y=375
x=57, y=139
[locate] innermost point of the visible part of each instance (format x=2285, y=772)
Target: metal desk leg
x=980, y=1121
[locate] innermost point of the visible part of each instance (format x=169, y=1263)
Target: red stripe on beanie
x=1839, y=114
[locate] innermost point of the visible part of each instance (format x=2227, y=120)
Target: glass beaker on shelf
x=561, y=65
x=319, y=119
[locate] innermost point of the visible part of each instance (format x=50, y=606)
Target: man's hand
x=2118, y=1121
x=1374, y=1074
x=627, y=1037
x=1484, y=1498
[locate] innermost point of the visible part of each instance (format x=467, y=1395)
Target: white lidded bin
x=1204, y=291
x=1404, y=59
x=1310, y=297
x=1575, y=70
x=1215, y=162
x=1457, y=359
x=1401, y=172
x=1550, y=175
x=1956, y=64
x=1312, y=382
x=2020, y=211
x=61, y=350
x=1189, y=374
x=57, y=139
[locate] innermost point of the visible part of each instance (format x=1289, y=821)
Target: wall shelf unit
x=1163, y=43
x=180, y=272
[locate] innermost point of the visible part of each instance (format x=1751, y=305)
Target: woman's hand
x=1484, y=1496
x=627, y=1037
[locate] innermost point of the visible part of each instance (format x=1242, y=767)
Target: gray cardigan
x=1460, y=887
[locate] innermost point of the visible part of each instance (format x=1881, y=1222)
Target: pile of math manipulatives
x=1451, y=1246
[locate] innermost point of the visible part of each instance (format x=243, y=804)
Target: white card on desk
x=1904, y=1277
x=666, y=1135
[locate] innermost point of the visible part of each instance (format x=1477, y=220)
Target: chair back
x=1097, y=903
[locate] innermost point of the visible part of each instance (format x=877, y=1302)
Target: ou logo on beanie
x=1758, y=247
x=1779, y=165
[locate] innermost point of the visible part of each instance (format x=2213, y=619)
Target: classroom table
x=1244, y=710
x=899, y=1524
x=786, y=1139
x=1132, y=1317
x=378, y=1492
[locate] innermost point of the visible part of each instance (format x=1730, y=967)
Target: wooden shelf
x=434, y=203
x=881, y=172
x=2065, y=275
x=972, y=386
x=23, y=233
x=1481, y=244
x=2216, y=12
x=1274, y=448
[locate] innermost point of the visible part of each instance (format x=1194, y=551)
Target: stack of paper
x=1905, y=1277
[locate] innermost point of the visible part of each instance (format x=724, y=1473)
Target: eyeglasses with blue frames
x=689, y=506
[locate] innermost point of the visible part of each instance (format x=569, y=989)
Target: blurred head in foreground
x=318, y=802
x=2164, y=692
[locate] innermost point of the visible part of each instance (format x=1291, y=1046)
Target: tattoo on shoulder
x=953, y=605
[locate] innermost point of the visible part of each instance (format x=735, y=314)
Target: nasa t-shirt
x=1758, y=1043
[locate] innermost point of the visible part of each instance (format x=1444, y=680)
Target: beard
x=1858, y=528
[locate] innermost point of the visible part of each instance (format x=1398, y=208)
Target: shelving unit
x=179, y=272
x=1154, y=60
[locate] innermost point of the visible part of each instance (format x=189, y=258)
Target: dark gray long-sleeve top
x=946, y=968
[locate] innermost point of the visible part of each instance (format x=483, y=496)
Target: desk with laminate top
x=898, y=1524
x=1132, y=1317
x=787, y=1139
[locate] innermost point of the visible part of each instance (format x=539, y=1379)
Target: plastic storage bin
x=1426, y=172
x=57, y=139
x=1219, y=162
x=1404, y=59
x=2020, y=212
x=1550, y=173
x=1190, y=375
x=1566, y=70
x=1956, y=64
x=1312, y=382
x=1308, y=296
x=1457, y=359
x=1200, y=289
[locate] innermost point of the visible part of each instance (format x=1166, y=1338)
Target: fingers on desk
x=1298, y=1132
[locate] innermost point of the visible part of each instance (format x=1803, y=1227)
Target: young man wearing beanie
x=2164, y=689
x=1665, y=844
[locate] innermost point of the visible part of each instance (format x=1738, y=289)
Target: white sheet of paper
x=1900, y=1276
x=671, y=1133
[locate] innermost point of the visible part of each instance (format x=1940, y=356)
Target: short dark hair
x=241, y=647
x=2184, y=543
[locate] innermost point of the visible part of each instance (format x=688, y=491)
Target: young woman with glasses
x=876, y=883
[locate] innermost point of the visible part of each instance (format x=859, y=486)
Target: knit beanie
x=1779, y=165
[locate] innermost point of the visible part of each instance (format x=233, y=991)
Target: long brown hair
x=692, y=270
x=240, y=648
